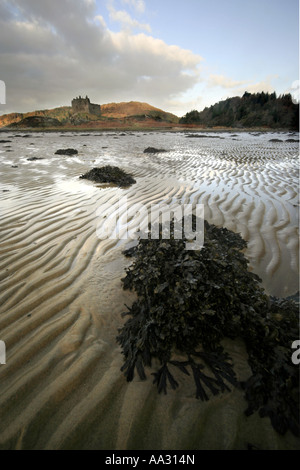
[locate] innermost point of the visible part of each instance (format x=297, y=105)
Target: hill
x=112, y=114
x=251, y=110
x=136, y=109
x=36, y=122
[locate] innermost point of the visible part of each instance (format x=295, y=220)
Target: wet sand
x=62, y=296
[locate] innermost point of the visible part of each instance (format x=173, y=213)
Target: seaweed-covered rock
x=66, y=152
x=154, y=150
x=199, y=136
x=189, y=301
x=109, y=174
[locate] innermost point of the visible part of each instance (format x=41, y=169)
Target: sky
x=173, y=54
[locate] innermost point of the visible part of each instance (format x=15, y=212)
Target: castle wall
x=79, y=106
x=83, y=105
x=95, y=109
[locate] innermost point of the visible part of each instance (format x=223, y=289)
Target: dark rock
x=109, y=174
x=66, y=152
x=291, y=140
x=198, y=136
x=275, y=140
x=4, y=141
x=32, y=159
x=154, y=150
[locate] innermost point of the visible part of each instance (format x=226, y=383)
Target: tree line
x=250, y=110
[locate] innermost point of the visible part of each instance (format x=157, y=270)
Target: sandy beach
x=62, y=295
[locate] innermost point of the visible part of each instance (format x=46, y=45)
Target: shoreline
x=175, y=128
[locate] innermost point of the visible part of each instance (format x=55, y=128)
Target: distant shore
x=160, y=128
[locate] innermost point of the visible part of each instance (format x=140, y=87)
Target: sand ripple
x=61, y=294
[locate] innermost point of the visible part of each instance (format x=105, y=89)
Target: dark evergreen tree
x=250, y=110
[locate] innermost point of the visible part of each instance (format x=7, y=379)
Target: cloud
x=101, y=21
x=182, y=104
x=126, y=21
x=224, y=82
x=238, y=87
x=124, y=18
x=263, y=85
x=51, y=51
x=138, y=5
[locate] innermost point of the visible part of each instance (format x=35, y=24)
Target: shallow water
x=61, y=294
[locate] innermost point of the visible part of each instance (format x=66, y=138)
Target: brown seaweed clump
x=188, y=302
x=66, y=152
x=154, y=150
x=109, y=174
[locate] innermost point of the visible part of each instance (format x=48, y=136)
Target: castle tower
x=83, y=105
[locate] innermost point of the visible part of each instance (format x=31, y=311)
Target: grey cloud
x=52, y=50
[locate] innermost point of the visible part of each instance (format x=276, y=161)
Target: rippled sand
x=61, y=293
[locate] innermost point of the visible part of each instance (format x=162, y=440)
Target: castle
x=83, y=105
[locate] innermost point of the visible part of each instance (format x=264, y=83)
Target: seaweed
x=154, y=150
x=109, y=174
x=66, y=152
x=188, y=302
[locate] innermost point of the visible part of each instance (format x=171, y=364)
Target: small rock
x=66, y=152
x=154, y=150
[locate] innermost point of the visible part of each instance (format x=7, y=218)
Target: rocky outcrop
x=36, y=122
